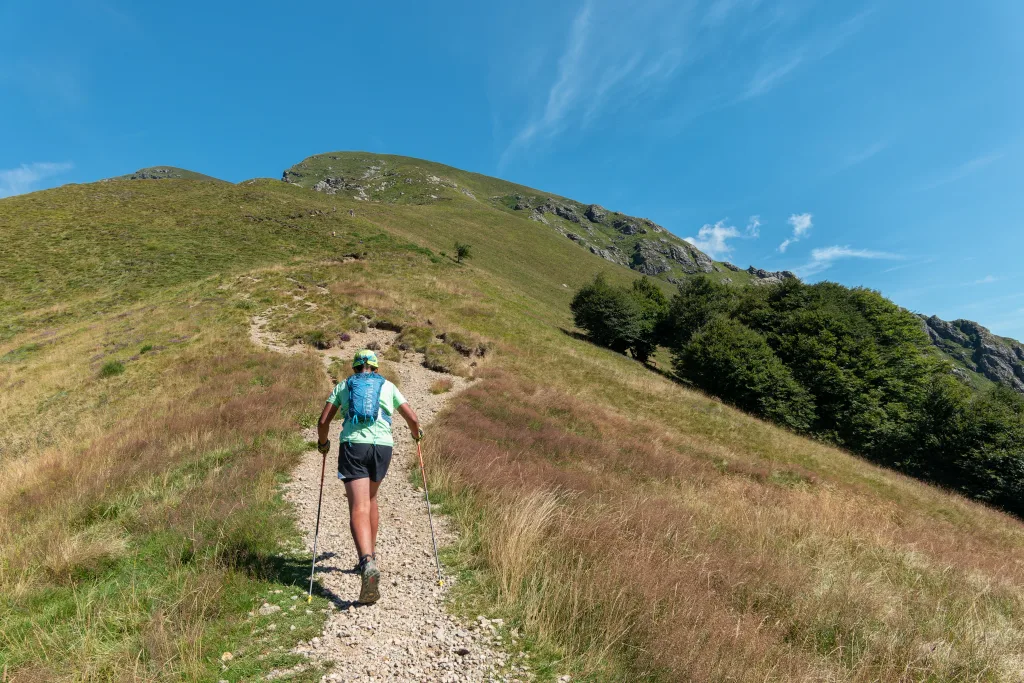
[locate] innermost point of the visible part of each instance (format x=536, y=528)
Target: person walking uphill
x=367, y=402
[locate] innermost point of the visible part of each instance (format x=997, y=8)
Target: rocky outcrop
x=766, y=277
x=595, y=213
x=998, y=358
x=654, y=258
x=731, y=267
x=560, y=210
x=629, y=226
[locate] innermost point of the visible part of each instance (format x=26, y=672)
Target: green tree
x=698, y=300
x=462, y=251
x=653, y=313
x=610, y=315
x=736, y=363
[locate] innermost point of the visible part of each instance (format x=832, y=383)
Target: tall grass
x=644, y=557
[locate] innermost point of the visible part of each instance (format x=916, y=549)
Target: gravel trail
x=407, y=635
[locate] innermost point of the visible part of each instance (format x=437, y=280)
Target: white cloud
x=25, y=178
x=822, y=259
x=753, y=226
x=802, y=224
x=987, y=280
x=713, y=239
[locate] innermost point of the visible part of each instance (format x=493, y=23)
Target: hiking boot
x=369, y=593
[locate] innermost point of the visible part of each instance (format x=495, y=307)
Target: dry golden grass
x=644, y=553
x=441, y=386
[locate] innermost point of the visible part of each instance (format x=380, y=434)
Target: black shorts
x=362, y=460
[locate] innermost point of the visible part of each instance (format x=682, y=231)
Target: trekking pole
x=426, y=494
x=316, y=534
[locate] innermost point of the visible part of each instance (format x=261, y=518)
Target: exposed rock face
x=629, y=226
x=561, y=210
x=731, y=267
x=997, y=358
x=596, y=213
x=690, y=258
x=607, y=254
x=647, y=260
x=765, y=277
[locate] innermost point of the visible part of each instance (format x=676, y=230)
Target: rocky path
x=407, y=635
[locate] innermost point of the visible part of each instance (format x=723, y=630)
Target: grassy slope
x=764, y=555
x=397, y=180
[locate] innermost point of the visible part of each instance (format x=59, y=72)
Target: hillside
x=637, y=243
x=620, y=525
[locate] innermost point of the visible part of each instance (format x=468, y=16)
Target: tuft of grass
x=111, y=368
x=146, y=348
x=415, y=338
x=443, y=358
x=441, y=386
x=318, y=339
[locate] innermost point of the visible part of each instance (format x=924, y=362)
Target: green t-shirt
x=380, y=431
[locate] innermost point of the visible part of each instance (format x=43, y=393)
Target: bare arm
x=411, y=419
x=324, y=425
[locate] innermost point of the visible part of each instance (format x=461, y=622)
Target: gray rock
x=629, y=226
x=997, y=358
x=596, y=213
x=647, y=260
x=731, y=267
x=771, y=277
x=266, y=609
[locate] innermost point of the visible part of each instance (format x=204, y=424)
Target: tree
x=734, y=362
x=699, y=300
x=653, y=313
x=462, y=251
x=609, y=314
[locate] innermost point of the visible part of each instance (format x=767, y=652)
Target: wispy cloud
x=676, y=57
x=564, y=92
x=770, y=75
x=753, y=226
x=963, y=170
x=822, y=259
x=802, y=224
x=26, y=177
x=713, y=240
x=863, y=155
x=987, y=280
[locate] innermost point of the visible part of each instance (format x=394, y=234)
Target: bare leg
x=374, y=516
x=359, y=521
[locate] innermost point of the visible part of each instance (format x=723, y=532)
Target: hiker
x=367, y=402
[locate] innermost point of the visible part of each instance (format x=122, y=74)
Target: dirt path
x=408, y=635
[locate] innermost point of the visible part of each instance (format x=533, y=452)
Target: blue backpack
x=364, y=398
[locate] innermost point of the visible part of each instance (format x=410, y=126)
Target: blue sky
x=870, y=143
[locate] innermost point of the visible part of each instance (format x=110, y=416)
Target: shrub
x=734, y=362
x=441, y=386
x=112, y=368
x=318, y=339
x=415, y=338
x=462, y=252
x=345, y=337
x=443, y=358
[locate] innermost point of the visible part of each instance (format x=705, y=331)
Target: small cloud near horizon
x=987, y=280
x=823, y=258
x=802, y=224
x=26, y=178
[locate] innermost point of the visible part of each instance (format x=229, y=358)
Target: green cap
x=365, y=357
